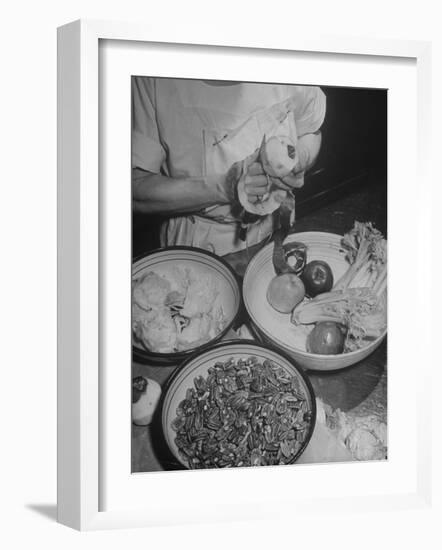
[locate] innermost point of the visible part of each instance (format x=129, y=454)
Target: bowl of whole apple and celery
x=330, y=310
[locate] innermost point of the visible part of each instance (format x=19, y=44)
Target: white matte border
x=120, y=60
x=124, y=493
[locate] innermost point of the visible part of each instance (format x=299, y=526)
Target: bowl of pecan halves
x=238, y=404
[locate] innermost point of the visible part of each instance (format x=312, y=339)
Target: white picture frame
x=80, y=271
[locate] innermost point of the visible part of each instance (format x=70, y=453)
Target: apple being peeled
x=278, y=156
x=285, y=292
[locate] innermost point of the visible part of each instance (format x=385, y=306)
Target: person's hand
x=256, y=183
x=307, y=150
x=295, y=179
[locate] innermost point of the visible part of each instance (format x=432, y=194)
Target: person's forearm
x=156, y=194
x=308, y=150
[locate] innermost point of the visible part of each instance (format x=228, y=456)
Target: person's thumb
x=294, y=181
x=248, y=161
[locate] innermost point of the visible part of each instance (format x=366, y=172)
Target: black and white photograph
x=259, y=274
x=221, y=275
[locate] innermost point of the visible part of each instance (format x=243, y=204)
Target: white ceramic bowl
x=275, y=327
x=199, y=365
x=229, y=294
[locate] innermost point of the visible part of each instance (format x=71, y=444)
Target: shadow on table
x=348, y=388
x=159, y=444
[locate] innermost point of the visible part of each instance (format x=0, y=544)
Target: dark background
x=352, y=161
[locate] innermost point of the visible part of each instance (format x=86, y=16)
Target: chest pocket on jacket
x=278, y=120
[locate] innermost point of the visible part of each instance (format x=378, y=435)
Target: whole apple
x=285, y=292
x=317, y=278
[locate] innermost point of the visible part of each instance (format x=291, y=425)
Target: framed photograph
x=226, y=212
